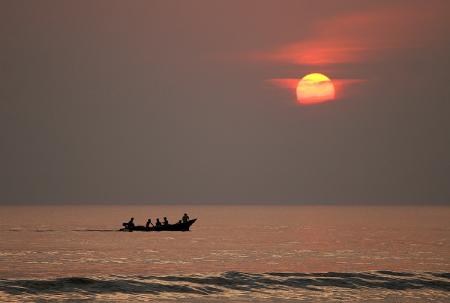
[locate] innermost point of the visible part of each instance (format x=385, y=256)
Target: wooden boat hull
x=169, y=227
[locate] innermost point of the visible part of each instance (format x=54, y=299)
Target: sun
x=315, y=88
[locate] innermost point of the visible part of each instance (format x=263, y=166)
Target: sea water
x=232, y=253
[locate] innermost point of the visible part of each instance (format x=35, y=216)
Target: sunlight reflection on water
x=82, y=242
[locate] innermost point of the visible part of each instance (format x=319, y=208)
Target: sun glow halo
x=315, y=88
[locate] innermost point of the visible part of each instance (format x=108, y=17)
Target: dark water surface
x=237, y=253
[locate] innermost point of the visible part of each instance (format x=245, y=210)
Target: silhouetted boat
x=169, y=227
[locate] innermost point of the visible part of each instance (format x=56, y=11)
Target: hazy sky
x=192, y=102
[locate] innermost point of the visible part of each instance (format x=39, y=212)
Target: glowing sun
x=315, y=88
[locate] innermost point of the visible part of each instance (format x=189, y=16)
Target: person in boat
x=185, y=218
x=147, y=225
x=130, y=224
x=166, y=222
x=158, y=223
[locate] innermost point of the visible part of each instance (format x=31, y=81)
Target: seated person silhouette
x=147, y=225
x=158, y=223
x=165, y=222
x=185, y=218
x=130, y=224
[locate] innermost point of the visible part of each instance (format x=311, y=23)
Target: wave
x=231, y=281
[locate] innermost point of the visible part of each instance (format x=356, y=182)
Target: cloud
x=362, y=36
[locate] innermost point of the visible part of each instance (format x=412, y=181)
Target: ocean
x=232, y=254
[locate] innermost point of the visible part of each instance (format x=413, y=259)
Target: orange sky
x=363, y=35
x=360, y=37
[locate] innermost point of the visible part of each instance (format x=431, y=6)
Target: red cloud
x=360, y=36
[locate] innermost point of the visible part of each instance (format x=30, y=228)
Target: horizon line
x=394, y=204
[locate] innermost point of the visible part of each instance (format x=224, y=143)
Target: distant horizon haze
x=232, y=204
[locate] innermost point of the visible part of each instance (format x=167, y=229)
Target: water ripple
x=230, y=281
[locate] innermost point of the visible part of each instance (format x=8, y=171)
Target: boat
x=180, y=226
